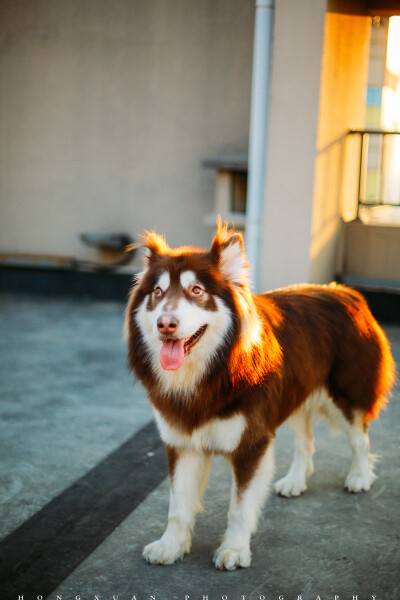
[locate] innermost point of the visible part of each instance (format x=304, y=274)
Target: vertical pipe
x=258, y=134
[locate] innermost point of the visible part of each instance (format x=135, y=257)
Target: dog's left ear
x=154, y=245
x=228, y=252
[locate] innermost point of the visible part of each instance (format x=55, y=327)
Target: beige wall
x=107, y=110
x=341, y=107
x=371, y=252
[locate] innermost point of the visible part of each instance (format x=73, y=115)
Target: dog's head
x=188, y=305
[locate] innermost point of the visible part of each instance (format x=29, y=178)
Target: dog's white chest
x=219, y=435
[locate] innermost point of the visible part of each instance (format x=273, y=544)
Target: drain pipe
x=258, y=134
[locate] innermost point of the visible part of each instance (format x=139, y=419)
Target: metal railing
x=379, y=168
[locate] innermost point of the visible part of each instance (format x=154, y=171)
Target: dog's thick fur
x=224, y=368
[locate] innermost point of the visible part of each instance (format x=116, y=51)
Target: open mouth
x=190, y=342
x=173, y=351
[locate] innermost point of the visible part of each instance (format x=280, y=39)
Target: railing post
x=360, y=174
x=382, y=172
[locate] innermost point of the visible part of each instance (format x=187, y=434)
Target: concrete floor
x=67, y=401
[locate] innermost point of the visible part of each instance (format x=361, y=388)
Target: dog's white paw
x=229, y=559
x=289, y=486
x=162, y=552
x=359, y=482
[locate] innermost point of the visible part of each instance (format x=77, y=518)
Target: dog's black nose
x=167, y=324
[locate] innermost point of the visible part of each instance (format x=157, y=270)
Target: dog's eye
x=197, y=291
x=157, y=292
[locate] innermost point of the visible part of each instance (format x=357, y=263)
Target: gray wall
x=107, y=109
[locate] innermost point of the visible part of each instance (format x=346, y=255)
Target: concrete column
x=296, y=65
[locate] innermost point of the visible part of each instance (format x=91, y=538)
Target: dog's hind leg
x=361, y=475
x=189, y=472
x=294, y=483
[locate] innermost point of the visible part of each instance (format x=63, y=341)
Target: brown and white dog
x=224, y=368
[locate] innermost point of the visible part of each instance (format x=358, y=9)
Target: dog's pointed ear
x=154, y=242
x=154, y=245
x=228, y=252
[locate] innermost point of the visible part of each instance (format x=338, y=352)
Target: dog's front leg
x=189, y=472
x=252, y=472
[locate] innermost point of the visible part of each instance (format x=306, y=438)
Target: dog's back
x=330, y=339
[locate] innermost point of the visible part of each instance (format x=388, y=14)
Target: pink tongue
x=171, y=355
